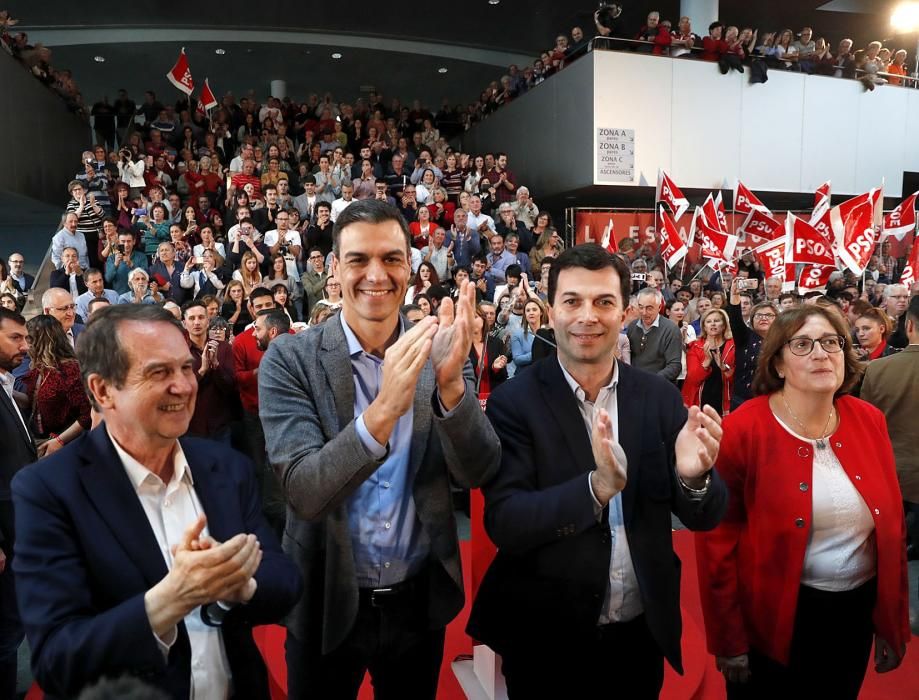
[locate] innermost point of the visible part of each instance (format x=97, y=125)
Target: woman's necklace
x=820, y=442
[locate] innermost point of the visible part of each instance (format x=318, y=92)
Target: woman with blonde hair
x=710, y=364
x=235, y=309
x=248, y=272
x=548, y=245
x=535, y=316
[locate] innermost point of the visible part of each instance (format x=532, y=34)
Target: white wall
x=790, y=134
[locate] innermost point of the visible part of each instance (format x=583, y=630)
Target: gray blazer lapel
x=337, y=365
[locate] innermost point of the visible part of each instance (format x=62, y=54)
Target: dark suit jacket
x=306, y=404
x=61, y=280
x=30, y=282
x=84, y=614
x=549, y=579
x=18, y=450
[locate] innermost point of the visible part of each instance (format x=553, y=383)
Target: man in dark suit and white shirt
x=23, y=280
x=582, y=599
x=161, y=560
x=18, y=450
x=70, y=275
x=366, y=418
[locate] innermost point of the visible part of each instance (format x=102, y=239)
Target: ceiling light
x=220, y=52
x=336, y=55
x=99, y=59
x=905, y=16
x=441, y=70
x=493, y=2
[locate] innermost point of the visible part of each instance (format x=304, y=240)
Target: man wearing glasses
x=58, y=303
x=24, y=281
x=314, y=277
x=896, y=299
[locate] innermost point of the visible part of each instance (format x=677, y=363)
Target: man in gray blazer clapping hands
x=366, y=418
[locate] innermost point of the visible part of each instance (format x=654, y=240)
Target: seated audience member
x=201, y=277
x=169, y=599
x=18, y=275
x=487, y=355
x=94, y=282
x=796, y=588
x=167, y=272
x=9, y=302
x=70, y=275
x=710, y=365
x=139, y=289
x=235, y=307
x=96, y=304
x=58, y=405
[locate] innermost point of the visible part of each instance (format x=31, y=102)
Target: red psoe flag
x=761, y=224
x=771, y=258
x=745, y=201
x=859, y=237
x=822, y=194
x=180, y=74
x=820, y=220
x=911, y=272
x=716, y=244
x=608, y=241
x=804, y=244
x=901, y=220
x=720, y=213
x=814, y=278
x=841, y=212
x=672, y=247
x=208, y=100
x=668, y=193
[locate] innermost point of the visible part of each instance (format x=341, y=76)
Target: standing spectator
x=806, y=49
x=156, y=230
x=487, y=355
x=167, y=272
x=896, y=299
x=89, y=217
x=120, y=265
x=466, y=243
x=204, y=280
x=313, y=279
x=714, y=46
x=656, y=34
x=247, y=355
x=69, y=236
x=525, y=210
x=535, y=317
x=655, y=342
x=59, y=303
x=872, y=329
x=807, y=567
x=710, y=365
x=785, y=50
x=18, y=451
x=747, y=341
x=890, y=384
x=339, y=205
x=364, y=187
x=497, y=262
x=439, y=253
x=212, y=363
x=683, y=40
x=676, y=312
x=897, y=67
x=22, y=279
x=504, y=180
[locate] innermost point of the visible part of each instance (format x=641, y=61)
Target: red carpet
x=701, y=682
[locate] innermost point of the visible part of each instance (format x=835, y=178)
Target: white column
x=279, y=88
x=700, y=12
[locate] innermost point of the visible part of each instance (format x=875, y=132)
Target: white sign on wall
x=615, y=155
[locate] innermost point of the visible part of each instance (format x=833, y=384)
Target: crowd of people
x=37, y=58
x=336, y=293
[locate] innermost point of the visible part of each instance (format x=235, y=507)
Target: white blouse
x=841, y=552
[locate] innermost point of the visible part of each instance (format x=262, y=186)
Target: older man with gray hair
x=896, y=300
x=655, y=341
x=525, y=211
x=139, y=288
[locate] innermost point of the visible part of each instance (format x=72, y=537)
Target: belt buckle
x=382, y=592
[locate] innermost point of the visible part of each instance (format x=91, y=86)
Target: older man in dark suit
x=366, y=418
x=162, y=561
x=18, y=450
x=583, y=597
x=890, y=384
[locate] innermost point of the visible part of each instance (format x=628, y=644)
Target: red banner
x=814, y=278
x=746, y=202
x=716, y=244
x=771, y=258
x=804, y=244
x=911, y=272
x=670, y=194
x=822, y=194
x=901, y=220
x=672, y=247
x=180, y=74
x=761, y=224
x=208, y=100
x=859, y=237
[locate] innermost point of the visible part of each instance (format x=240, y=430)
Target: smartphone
x=140, y=212
x=747, y=284
x=639, y=276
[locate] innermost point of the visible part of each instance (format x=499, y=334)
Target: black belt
x=396, y=594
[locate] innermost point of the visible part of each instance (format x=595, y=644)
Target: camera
x=119, y=248
x=283, y=250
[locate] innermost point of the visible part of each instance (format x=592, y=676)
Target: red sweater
x=750, y=565
x=696, y=374
x=246, y=359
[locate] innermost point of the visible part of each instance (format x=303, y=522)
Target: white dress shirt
x=171, y=509
x=623, y=597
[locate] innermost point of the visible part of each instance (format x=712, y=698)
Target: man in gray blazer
x=366, y=420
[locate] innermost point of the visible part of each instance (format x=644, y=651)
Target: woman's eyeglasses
x=802, y=345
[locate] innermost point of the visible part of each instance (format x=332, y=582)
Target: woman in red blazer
x=710, y=364
x=809, y=563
